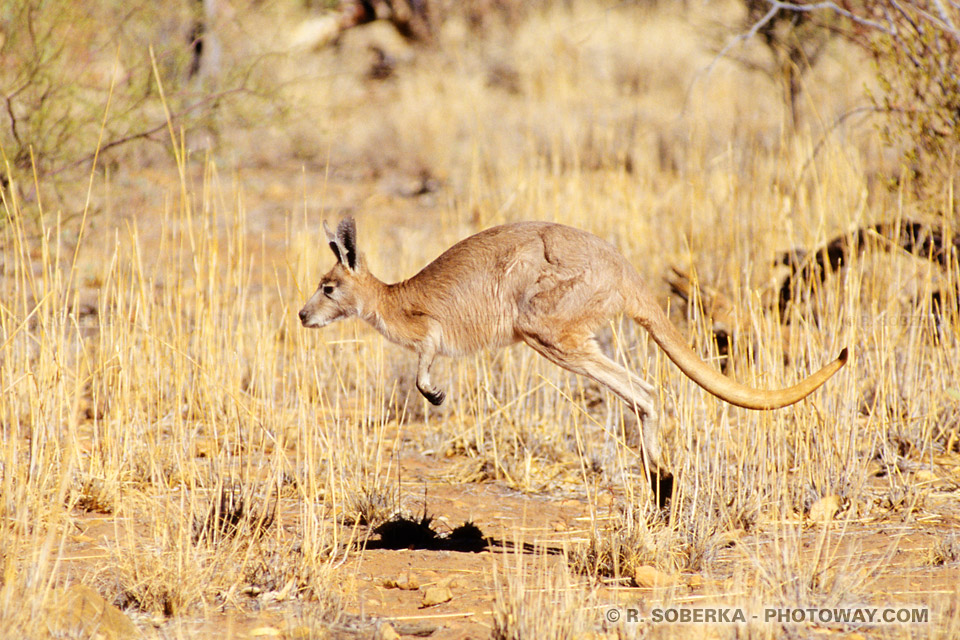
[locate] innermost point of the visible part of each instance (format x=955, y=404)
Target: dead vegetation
x=174, y=443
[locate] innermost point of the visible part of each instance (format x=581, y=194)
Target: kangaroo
x=548, y=285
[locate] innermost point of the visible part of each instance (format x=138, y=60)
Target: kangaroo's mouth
x=312, y=323
x=312, y=320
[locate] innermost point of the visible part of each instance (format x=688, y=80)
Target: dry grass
x=171, y=435
x=542, y=601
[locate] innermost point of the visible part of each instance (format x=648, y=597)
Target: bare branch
x=832, y=6
x=833, y=127
x=776, y=6
x=13, y=121
x=743, y=37
x=949, y=26
x=149, y=132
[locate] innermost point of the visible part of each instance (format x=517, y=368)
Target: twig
x=836, y=123
x=832, y=6
x=149, y=132
x=948, y=24
x=13, y=122
x=743, y=37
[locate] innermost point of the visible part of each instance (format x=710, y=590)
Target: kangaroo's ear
x=334, y=242
x=347, y=242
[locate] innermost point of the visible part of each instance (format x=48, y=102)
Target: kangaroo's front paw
x=435, y=396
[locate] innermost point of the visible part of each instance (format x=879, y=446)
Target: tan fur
x=548, y=285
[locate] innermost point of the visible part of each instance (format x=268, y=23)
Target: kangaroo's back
x=494, y=251
x=522, y=252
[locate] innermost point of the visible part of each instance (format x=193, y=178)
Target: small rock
x=731, y=537
x=81, y=610
x=315, y=33
x=299, y=633
x=386, y=632
x=824, y=509
x=875, y=469
x=695, y=581
x=647, y=576
x=405, y=581
x=436, y=595
x=926, y=476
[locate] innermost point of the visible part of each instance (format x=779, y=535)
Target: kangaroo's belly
x=470, y=333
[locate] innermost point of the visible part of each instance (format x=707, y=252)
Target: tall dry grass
x=150, y=381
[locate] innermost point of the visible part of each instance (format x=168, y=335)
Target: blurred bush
x=60, y=62
x=915, y=45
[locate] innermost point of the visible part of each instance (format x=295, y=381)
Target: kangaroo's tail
x=655, y=321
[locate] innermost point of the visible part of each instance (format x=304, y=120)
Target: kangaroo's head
x=346, y=289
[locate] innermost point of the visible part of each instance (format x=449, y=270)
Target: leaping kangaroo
x=548, y=285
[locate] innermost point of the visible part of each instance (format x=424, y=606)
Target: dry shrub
x=537, y=598
x=166, y=574
x=916, y=49
x=917, y=56
x=75, y=89
x=237, y=510
x=945, y=550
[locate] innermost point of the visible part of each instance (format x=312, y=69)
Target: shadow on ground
x=402, y=532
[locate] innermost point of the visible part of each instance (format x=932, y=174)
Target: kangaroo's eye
x=328, y=290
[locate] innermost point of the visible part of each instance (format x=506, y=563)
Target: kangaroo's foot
x=662, y=484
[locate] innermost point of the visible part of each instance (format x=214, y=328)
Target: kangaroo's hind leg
x=585, y=358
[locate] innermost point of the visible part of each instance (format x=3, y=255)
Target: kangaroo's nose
x=303, y=316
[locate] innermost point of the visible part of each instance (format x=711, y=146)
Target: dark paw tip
x=435, y=398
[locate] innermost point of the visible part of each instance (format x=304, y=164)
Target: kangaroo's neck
x=374, y=300
x=391, y=309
